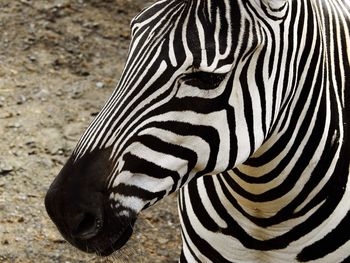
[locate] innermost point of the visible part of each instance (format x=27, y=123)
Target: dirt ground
x=59, y=61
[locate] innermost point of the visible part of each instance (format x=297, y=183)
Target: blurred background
x=59, y=62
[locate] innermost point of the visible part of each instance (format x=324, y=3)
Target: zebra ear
x=275, y=9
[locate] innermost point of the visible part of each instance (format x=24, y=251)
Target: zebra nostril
x=88, y=226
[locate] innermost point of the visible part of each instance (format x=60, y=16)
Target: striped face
x=184, y=107
x=173, y=115
x=167, y=120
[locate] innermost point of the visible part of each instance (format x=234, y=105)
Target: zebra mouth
x=117, y=242
x=106, y=242
x=113, y=233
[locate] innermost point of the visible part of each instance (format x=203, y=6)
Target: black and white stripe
x=246, y=104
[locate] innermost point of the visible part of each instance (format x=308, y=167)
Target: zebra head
x=190, y=95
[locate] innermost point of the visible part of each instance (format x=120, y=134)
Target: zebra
x=243, y=107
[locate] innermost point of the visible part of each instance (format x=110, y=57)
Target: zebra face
x=169, y=120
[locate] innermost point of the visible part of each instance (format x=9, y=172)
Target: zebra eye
x=204, y=80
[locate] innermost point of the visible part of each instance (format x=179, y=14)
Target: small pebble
x=32, y=58
x=21, y=99
x=100, y=85
x=5, y=169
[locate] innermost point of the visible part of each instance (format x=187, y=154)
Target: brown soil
x=59, y=61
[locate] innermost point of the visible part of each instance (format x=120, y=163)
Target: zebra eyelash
x=203, y=80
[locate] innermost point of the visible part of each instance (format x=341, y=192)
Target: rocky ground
x=59, y=61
